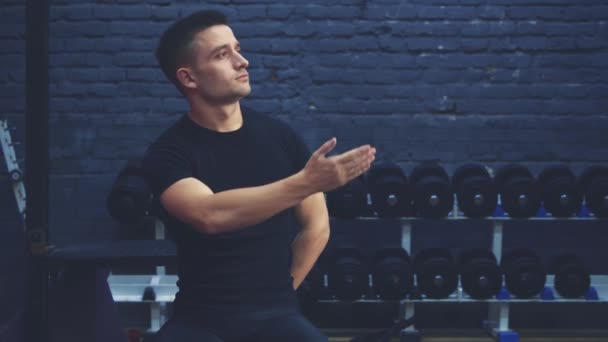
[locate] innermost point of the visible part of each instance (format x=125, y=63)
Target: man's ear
x=186, y=77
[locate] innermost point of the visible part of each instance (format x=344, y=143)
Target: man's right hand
x=327, y=173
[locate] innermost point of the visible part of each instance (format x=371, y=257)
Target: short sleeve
x=164, y=164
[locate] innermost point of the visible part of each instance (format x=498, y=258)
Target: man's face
x=219, y=68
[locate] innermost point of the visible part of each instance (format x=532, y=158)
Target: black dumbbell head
x=392, y=273
x=348, y=274
x=559, y=191
x=130, y=198
x=594, y=183
x=571, y=278
x=432, y=191
x=479, y=273
x=520, y=195
x=524, y=274
x=348, y=201
x=388, y=188
x=436, y=273
x=475, y=190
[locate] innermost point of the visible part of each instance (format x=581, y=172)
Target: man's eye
x=222, y=54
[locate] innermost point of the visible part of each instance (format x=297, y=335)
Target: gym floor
x=474, y=336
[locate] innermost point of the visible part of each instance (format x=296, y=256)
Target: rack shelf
x=130, y=288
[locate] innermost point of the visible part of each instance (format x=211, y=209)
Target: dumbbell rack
x=497, y=323
x=131, y=288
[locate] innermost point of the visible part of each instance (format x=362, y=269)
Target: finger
x=357, y=169
x=356, y=172
x=326, y=147
x=357, y=160
x=355, y=153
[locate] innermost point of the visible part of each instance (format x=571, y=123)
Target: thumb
x=326, y=147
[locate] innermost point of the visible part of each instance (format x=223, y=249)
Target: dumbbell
x=436, y=273
x=474, y=190
x=130, y=198
x=519, y=192
x=479, y=273
x=594, y=184
x=432, y=193
x=388, y=189
x=571, y=278
x=348, y=275
x=559, y=191
x=392, y=273
x=349, y=200
x=524, y=274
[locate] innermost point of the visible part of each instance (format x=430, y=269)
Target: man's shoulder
x=172, y=137
x=176, y=131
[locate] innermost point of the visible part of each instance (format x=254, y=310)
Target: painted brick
x=494, y=81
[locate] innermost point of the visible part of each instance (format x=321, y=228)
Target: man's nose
x=241, y=62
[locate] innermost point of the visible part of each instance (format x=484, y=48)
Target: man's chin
x=244, y=93
x=237, y=96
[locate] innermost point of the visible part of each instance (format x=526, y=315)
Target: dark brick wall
x=493, y=81
x=490, y=81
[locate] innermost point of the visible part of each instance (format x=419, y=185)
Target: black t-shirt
x=249, y=267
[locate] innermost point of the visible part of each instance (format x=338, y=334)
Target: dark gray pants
x=266, y=326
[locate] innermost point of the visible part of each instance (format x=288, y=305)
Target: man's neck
x=225, y=118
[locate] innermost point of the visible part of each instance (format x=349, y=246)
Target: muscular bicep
x=312, y=212
x=185, y=200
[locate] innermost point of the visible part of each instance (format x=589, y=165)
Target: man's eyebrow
x=218, y=49
x=238, y=45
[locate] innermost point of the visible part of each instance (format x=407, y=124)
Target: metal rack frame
x=130, y=288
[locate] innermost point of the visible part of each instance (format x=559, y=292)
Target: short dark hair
x=175, y=46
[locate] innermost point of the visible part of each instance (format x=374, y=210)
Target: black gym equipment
x=519, y=191
x=388, y=189
x=524, y=273
x=475, y=190
x=432, y=192
x=130, y=199
x=479, y=273
x=348, y=201
x=36, y=325
x=571, y=280
x=392, y=273
x=312, y=287
x=436, y=273
x=348, y=276
x=559, y=191
x=594, y=184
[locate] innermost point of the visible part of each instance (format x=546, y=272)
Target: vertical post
x=37, y=167
x=406, y=236
x=407, y=308
x=158, y=310
x=498, y=311
x=497, y=239
x=159, y=234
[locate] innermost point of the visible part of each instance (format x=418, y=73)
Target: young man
x=233, y=184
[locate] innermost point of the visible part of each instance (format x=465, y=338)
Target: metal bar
x=37, y=167
x=408, y=313
x=406, y=236
x=497, y=239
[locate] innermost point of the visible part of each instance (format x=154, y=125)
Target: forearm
x=232, y=210
x=306, y=248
